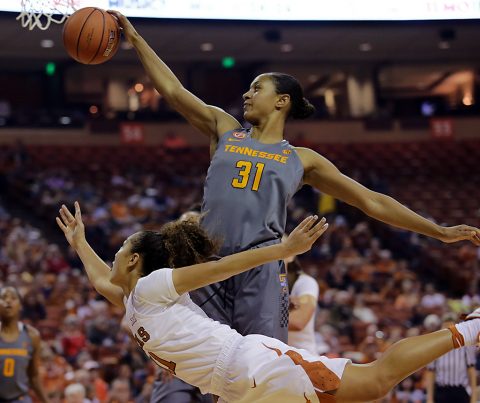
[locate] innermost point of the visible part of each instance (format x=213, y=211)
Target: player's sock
x=465, y=333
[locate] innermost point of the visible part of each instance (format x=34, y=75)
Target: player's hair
x=295, y=266
x=287, y=84
x=14, y=289
x=176, y=244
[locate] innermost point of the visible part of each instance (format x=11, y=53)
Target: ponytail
x=286, y=84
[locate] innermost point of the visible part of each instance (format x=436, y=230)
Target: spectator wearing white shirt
x=304, y=292
x=432, y=299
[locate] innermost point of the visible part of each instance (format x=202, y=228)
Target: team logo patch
x=283, y=280
x=239, y=135
x=287, y=152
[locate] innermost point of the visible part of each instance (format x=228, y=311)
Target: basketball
x=91, y=35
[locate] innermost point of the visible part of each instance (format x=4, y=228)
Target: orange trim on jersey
x=457, y=338
x=14, y=351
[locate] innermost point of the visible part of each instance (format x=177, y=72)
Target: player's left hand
x=72, y=225
x=304, y=235
x=461, y=233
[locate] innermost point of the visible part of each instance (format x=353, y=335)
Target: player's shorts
x=262, y=369
x=176, y=391
x=253, y=302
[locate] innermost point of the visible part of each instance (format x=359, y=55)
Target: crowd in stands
x=377, y=285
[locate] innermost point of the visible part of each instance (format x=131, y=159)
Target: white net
x=41, y=13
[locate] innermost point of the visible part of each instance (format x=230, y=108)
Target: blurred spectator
x=101, y=331
x=85, y=377
x=75, y=393
x=53, y=371
x=407, y=392
x=99, y=386
x=120, y=392
x=73, y=340
x=303, y=302
x=34, y=306
x=432, y=301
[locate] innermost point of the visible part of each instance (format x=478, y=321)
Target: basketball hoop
x=41, y=13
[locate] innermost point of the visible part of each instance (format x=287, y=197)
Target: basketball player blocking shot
x=252, y=176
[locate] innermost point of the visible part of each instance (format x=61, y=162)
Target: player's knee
x=379, y=384
x=384, y=384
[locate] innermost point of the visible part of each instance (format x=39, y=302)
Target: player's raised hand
x=304, y=235
x=126, y=26
x=461, y=233
x=72, y=225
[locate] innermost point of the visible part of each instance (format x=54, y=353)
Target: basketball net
x=41, y=13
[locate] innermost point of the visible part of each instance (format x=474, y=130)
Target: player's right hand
x=72, y=226
x=304, y=235
x=127, y=28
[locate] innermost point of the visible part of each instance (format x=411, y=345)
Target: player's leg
x=261, y=301
x=367, y=382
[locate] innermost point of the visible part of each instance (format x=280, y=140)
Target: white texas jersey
x=174, y=331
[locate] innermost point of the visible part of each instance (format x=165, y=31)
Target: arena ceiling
x=248, y=41
x=440, y=43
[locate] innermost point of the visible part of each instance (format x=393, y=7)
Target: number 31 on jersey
x=245, y=168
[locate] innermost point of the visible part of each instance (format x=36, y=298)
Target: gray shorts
x=177, y=391
x=253, y=302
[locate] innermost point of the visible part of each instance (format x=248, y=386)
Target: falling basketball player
x=152, y=275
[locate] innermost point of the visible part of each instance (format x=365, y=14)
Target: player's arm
x=34, y=365
x=323, y=175
x=303, y=312
x=98, y=271
x=210, y=120
x=301, y=239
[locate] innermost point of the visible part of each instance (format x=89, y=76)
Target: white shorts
x=261, y=369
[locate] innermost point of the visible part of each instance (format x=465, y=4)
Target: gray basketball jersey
x=247, y=190
x=14, y=359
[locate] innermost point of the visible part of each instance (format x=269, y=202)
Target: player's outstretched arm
x=323, y=175
x=299, y=241
x=98, y=271
x=210, y=120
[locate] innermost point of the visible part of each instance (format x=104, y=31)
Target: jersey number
x=9, y=367
x=244, y=174
x=141, y=338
